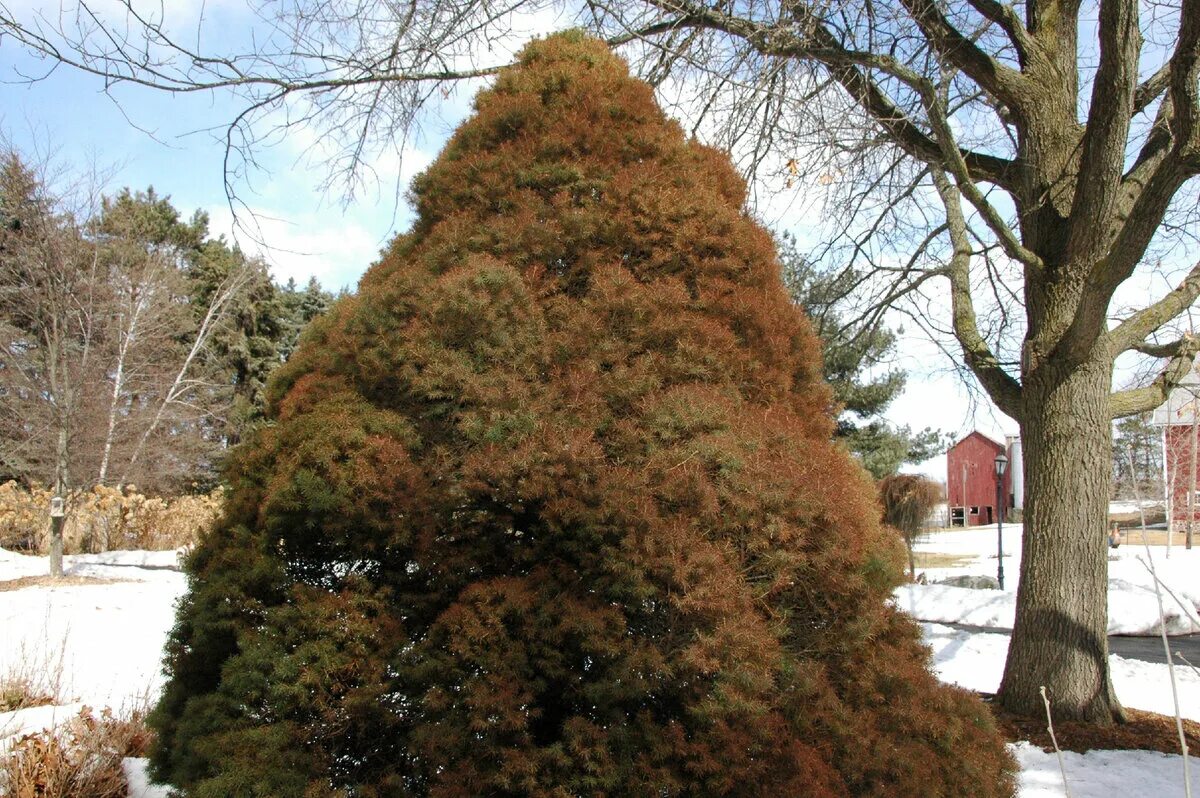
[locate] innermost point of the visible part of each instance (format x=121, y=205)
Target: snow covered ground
x=1132, y=606
x=96, y=645
x=108, y=638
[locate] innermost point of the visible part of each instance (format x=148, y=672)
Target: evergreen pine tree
x=853, y=354
x=551, y=506
x=301, y=306
x=1137, y=458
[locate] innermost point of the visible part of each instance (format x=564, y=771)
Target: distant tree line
x=134, y=345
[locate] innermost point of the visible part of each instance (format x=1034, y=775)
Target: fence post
x=57, y=517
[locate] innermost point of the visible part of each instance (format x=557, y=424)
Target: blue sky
x=173, y=142
x=308, y=231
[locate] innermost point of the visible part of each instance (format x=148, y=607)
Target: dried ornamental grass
x=78, y=759
x=105, y=518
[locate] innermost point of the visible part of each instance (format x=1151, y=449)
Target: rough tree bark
x=1060, y=637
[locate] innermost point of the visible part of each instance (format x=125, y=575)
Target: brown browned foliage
x=551, y=507
x=908, y=501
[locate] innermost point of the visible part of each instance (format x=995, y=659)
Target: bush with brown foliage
x=908, y=502
x=551, y=507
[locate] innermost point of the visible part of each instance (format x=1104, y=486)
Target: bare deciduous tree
x=1030, y=157
x=50, y=319
x=104, y=362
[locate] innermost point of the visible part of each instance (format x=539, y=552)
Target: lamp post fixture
x=1001, y=463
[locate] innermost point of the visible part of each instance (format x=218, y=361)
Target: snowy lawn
x=109, y=636
x=1132, y=606
x=96, y=645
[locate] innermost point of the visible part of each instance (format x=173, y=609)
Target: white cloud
x=335, y=249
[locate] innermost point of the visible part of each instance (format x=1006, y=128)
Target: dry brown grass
x=50, y=581
x=940, y=559
x=34, y=678
x=22, y=694
x=1157, y=537
x=79, y=759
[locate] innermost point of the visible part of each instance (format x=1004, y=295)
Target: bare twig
x=1062, y=766
x=1162, y=629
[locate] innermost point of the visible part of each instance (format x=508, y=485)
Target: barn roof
x=1180, y=407
x=987, y=438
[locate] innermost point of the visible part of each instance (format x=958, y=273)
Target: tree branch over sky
x=1031, y=163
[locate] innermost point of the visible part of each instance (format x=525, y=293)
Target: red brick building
x=1181, y=450
x=971, y=479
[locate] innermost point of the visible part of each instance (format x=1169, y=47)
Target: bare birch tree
x=187, y=388
x=1026, y=159
x=50, y=330
x=105, y=359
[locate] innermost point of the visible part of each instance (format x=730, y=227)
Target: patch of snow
x=27, y=721
x=1100, y=774
x=976, y=662
x=131, y=565
x=106, y=639
x=140, y=785
x=949, y=604
x=1130, y=506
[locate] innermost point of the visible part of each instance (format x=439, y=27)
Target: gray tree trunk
x=1060, y=638
x=61, y=478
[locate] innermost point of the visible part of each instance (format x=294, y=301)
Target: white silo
x=1016, y=468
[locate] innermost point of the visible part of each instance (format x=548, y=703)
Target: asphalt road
x=1147, y=649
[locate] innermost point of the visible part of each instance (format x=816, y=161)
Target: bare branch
x=1133, y=331
x=1004, y=390
x=998, y=80
x=1008, y=20
x=1104, y=139
x=1140, y=400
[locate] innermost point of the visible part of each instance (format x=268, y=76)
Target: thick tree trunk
x=1060, y=637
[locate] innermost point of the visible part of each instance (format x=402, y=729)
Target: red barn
x=971, y=479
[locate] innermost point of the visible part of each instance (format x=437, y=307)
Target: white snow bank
x=27, y=721
x=1100, y=774
x=106, y=639
x=138, y=565
x=948, y=604
x=1132, y=605
x=139, y=782
x=1132, y=608
x=1129, y=506
x=976, y=661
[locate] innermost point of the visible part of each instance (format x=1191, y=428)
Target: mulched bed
x=1144, y=731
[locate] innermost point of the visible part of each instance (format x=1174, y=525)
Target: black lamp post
x=1001, y=463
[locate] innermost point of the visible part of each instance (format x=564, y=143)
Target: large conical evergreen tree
x=551, y=507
